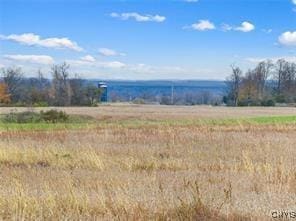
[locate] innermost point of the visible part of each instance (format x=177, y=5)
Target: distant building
x=104, y=88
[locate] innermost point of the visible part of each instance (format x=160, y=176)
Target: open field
x=138, y=162
x=126, y=111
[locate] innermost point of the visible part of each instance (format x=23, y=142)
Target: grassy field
x=138, y=162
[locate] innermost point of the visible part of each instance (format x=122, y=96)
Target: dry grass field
x=137, y=162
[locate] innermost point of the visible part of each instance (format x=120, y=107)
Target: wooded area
x=61, y=90
x=265, y=85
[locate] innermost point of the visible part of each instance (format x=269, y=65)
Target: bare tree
x=248, y=91
x=233, y=82
x=280, y=69
x=291, y=83
x=13, y=77
x=39, y=89
x=78, y=96
x=61, y=90
x=257, y=86
x=261, y=74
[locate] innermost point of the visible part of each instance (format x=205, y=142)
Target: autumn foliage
x=4, y=95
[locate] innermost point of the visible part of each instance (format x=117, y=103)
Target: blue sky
x=160, y=39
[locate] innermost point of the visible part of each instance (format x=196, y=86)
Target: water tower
x=104, y=90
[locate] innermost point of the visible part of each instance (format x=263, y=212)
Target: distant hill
x=129, y=90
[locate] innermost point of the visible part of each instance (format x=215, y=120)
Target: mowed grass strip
x=74, y=122
x=265, y=120
x=44, y=126
x=136, y=123
x=274, y=120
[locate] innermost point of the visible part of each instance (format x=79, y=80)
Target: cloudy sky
x=133, y=39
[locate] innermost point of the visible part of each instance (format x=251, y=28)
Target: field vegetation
x=135, y=162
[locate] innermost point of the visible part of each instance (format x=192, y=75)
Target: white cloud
x=80, y=62
x=203, y=25
x=119, y=70
x=273, y=59
x=92, y=62
x=293, y=2
x=245, y=27
x=146, y=71
x=32, y=39
x=129, y=68
x=111, y=64
x=255, y=59
x=88, y=58
x=288, y=38
x=138, y=17
x=110, y=52
x=150, y=69
x=37, y=59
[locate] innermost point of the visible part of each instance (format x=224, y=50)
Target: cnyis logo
x=283, y=215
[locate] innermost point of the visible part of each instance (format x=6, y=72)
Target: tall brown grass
x=153, y=172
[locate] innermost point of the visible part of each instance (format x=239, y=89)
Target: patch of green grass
x=44, y=126
x=134, y=123
x=274, y=120
x=31, y=121
x=84, y=122
x=263, y=120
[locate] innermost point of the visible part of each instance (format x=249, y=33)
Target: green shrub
x=51, y=116
x=249, y=102
x=23, y=117
x=54, y=116
x=280, y=98
x=268, y=103
x=139, y=101
x=41, y=104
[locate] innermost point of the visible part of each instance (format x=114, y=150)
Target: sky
x=145, y=39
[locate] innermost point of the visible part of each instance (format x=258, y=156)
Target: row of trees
x=62, y=90
x=267, y=84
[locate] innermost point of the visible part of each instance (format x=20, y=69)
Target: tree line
x=62, y=90
x=267, y=84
